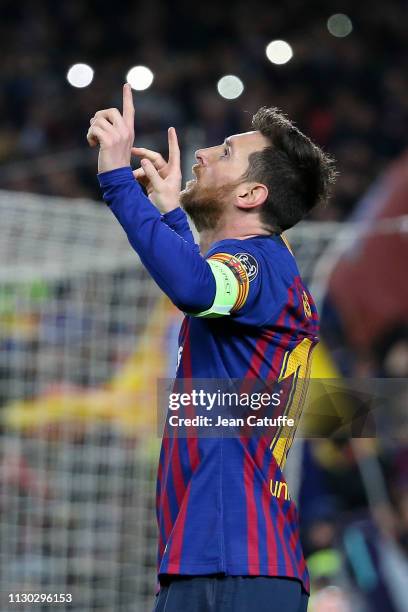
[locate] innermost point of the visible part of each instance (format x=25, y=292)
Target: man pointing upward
x=226, y=543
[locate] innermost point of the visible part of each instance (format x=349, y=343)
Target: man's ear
x=250, y=195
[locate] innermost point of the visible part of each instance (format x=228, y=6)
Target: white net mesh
x=81, y=336
x=84, y=336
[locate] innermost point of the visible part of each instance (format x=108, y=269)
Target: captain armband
x=232, y=285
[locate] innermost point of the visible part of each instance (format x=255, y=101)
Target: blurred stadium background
x=84, y=333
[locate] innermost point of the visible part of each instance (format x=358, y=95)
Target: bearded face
x=219, y=171
x=206, y=205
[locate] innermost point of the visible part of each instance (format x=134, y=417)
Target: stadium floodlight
x=339, y=25
x=230, y=87
x=80, y=75
x=140, y=77
x=279, y=52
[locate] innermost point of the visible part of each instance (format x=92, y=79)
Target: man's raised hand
x=161, y=179
x=114, y=132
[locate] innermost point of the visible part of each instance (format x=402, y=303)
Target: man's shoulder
x=255, y=251
x=270, y=274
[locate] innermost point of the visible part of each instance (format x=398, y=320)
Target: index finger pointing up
x=174, y=150
x=128, y=108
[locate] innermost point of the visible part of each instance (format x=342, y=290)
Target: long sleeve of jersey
x=177, y=220
x=171, y=257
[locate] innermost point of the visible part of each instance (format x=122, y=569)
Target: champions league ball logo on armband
x=250, y=264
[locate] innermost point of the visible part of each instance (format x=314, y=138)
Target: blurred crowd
x=349, y=94
x=353, y=497
x=354, y=508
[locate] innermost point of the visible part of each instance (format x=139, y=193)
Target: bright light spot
x=279, y=52
x=140, y=77
x=80, y=75
x=339, y=25
x=230, y=87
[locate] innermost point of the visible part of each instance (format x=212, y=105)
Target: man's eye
x=225, y=151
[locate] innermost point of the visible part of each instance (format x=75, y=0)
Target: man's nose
x=201, y=157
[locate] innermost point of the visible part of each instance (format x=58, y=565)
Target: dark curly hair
x=297, y=173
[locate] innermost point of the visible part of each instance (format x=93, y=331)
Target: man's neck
x=208, y=237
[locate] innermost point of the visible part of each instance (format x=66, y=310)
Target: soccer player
x=228, y=529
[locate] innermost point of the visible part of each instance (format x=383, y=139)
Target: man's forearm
x=173, y=262
x=176, y=219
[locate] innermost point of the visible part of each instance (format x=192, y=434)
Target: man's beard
x=206, y=205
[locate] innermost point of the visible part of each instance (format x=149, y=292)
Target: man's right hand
x=161, y=179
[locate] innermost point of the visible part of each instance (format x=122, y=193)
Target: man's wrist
x=116, y=176
x=167, y=210
x=174, y=214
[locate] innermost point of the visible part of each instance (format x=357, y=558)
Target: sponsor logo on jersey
x=179, y=354
x=279, y=489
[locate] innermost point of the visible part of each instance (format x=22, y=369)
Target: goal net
x=84, y=336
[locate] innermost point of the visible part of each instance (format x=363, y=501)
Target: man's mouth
x=195, y=168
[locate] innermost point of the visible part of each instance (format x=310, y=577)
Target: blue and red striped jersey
x=223, y=504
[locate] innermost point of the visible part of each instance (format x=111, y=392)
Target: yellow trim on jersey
x=286, y=241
